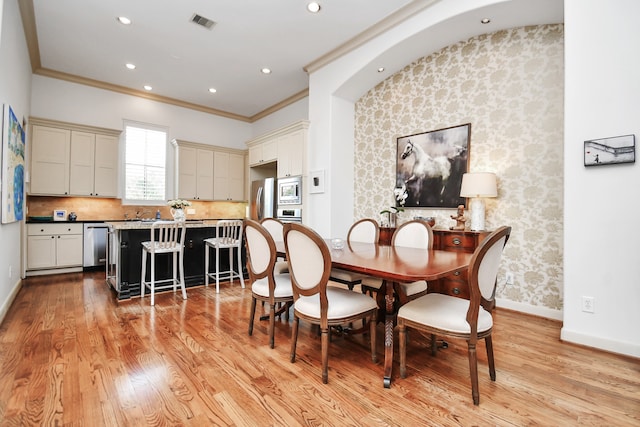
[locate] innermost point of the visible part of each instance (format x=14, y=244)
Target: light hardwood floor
x=71, y=355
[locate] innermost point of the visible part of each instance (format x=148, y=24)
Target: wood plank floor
x=70, y=354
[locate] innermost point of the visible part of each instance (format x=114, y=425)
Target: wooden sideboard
x=448, y=240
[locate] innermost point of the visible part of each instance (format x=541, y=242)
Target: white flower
x=179, y=203
x=401, y=194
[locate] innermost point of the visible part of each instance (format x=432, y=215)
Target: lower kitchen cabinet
x=54, y=248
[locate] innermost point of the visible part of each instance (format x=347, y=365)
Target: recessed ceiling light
x=123, y=20
x=313, y=7
x=130, y=66
x=485, y=21
x=147, y=87
x=381, y=69
x=265, y=70
x=212, y=90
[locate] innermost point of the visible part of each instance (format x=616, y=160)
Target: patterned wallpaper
x=509, y=86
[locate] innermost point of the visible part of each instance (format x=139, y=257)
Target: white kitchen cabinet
x=229, y=176
x=194, y=172
x=71, y=159
x=50, y=160
x=291, y=154
x=263, y=153
x=207, y=172
x=52, y=247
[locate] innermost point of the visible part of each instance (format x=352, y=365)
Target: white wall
x=70, y=102
x=602, y=255
x=292, y=113
x=15, y=80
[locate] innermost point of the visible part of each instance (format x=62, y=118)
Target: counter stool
x=228, y=236
x=166, y=237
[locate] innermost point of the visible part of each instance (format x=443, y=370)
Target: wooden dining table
x=393, y=265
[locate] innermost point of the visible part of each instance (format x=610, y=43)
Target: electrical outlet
x=588, y=304
x=191, y=211
x=508, y=278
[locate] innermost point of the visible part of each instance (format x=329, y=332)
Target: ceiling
x=182, y=60
x=82, y=41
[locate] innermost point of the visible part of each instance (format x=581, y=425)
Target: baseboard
x=529, y=309
x=10, y=298
x=619, y=347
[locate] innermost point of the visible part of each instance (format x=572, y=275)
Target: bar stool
x=228, y=236
x=167, y=237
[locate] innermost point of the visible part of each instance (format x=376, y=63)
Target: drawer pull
x=456, y=273
x=456, y=291
x=456, y=241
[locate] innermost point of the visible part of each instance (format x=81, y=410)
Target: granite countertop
x=146, y=224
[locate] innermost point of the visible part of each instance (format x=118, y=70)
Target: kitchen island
x=124, y=255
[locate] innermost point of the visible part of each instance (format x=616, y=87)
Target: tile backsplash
x=98, y=209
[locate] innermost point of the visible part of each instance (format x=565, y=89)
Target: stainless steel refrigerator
x=263, y=199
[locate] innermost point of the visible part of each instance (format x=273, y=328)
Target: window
x=145, y=163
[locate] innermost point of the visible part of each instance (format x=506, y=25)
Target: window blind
x=145, y=163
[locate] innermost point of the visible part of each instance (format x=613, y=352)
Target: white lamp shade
x=479, y=184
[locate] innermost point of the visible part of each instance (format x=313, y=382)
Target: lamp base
x=477, y=214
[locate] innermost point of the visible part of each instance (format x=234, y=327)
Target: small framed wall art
x=610, y=151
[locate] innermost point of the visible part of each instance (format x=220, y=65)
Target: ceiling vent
x=202, y=21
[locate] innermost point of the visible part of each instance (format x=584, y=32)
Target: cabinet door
x=68, y=250
x=290, y=155
x=236, y=177
x=82, y=159
x=41, y=252
x=204, y=174
x=221, y=178
x=50, y=161
x=187, y=173
x=255, y=154
x=106, y=166
x=270, y=151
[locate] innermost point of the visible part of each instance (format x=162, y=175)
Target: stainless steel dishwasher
x=95, y=245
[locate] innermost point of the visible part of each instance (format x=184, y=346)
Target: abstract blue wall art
x=13, y=164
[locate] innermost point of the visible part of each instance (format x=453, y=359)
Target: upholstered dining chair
x=267, y=285
x=274, y=227
x=166, y=237
x=439, y=314
x=364, y=230
x=414, y=234
x=229, y=237
x=310, y=266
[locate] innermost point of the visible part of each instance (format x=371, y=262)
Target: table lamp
x=476, y=186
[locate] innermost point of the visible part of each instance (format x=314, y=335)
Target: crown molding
x=280, y=105
x=387, y=23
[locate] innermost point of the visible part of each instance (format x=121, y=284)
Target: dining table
x=394, y=265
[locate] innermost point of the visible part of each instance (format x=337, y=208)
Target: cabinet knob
x=456, y=241
x=456, y=291
x=42, y=230
x=53, y=237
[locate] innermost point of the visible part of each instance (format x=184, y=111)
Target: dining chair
x=310, y=266
x=166, y=237
x=364, y=230
x=229, y=237
x=439, y=314
x=413, y=234
x=274, y=227
x=267, y=285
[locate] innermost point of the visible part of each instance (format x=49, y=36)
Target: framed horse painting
x=430, y=165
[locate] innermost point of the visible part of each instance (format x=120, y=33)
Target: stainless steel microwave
x=290, y=190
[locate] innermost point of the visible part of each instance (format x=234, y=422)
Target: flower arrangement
x=179, y=203
x=391, y=212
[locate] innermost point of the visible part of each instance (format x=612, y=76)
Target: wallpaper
x=509, y=86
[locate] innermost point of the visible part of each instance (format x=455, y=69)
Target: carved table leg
x=388, y=333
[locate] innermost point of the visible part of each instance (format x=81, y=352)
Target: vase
x=178, y=214
x=393, y=219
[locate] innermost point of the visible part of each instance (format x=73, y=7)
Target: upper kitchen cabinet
x=194, y=171
x=71, y=159
x=264, y=152
x=291, y=154
x=207, y=172
x=228, y=183
x=290, y=143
